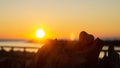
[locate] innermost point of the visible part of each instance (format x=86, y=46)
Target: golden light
x=72, y=36
x=40, y=33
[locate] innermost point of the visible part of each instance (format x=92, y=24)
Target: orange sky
x=59, y=18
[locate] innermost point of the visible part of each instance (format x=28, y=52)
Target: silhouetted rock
x=86, y=38
x=66, y=54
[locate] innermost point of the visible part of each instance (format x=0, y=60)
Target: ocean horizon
x=19, y=45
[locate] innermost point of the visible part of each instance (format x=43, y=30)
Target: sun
x=40, y=33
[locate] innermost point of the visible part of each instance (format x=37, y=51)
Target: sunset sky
x=59, y=18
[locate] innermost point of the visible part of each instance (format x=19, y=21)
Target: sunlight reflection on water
x=21, y=44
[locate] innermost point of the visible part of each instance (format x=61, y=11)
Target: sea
x=33, y=47
x=19, y=45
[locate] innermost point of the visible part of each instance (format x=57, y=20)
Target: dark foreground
x=83, y=53
x=17, y=59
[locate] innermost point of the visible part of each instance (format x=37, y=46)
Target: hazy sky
x=59, y=18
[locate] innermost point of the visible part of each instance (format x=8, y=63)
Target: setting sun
x=40, y=33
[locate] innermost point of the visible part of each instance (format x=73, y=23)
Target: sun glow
x=40, y=33
x=72, y=36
